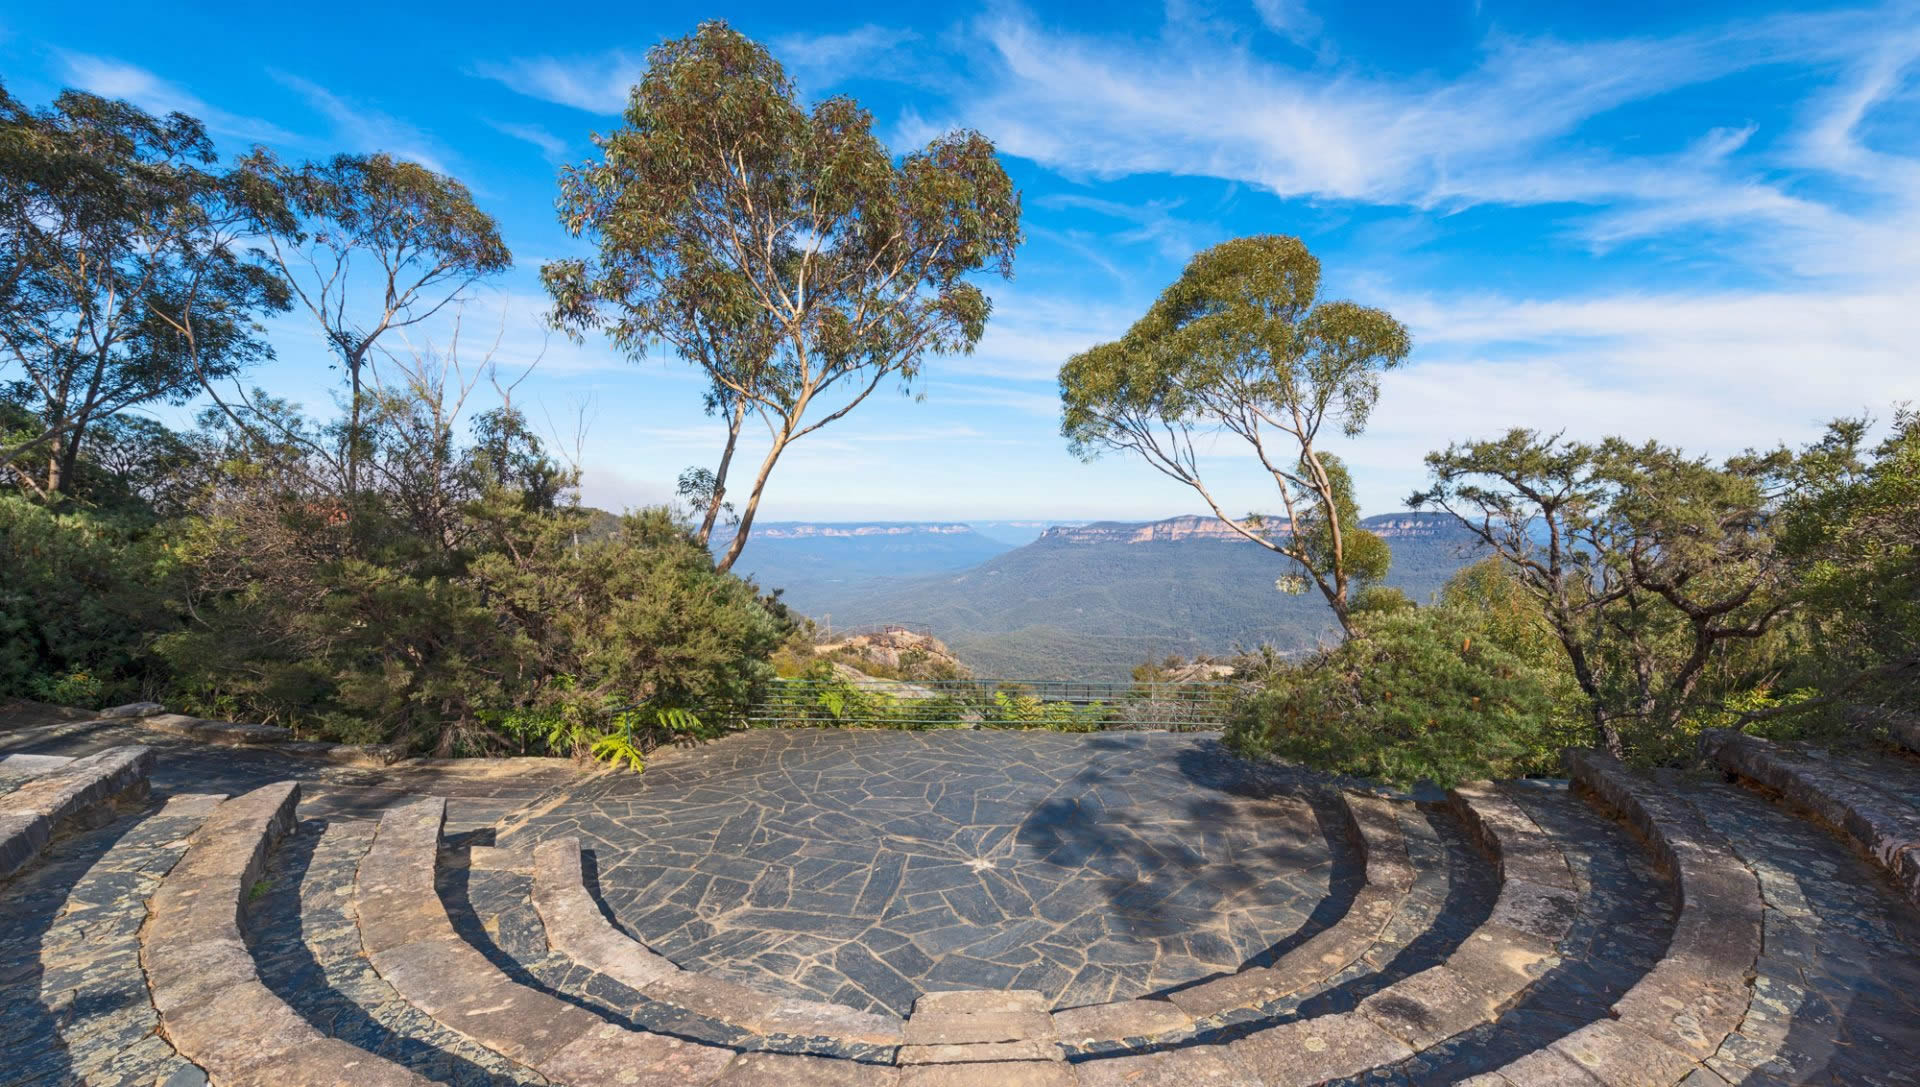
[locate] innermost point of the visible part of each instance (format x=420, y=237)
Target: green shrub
x=80, y=597
x=1423, y=694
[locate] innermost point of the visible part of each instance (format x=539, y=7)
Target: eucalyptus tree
x=1241, y=347
x=122, y=279
x=419, y=238
x=782, y=250
x=1651, y=567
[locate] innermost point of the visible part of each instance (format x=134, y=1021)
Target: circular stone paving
x=868, y=867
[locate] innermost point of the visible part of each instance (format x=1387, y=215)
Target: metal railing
x=1063, y=705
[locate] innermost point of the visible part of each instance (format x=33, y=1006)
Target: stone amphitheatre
x=186, y=902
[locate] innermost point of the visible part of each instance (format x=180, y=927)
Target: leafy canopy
x=783, y=250
x=121, y=278
x=1242, y=346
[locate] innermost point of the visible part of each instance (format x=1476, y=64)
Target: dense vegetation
x=405, y=570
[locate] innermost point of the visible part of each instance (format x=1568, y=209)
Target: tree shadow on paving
x=280, y=927
x=1153, y=880
x=32, y=1047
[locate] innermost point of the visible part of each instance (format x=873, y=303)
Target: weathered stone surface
x=970, y=1027
x=1311, y=1051
x=134, y=709
x=212, y=1005
x=1541, y=1068
x=1537, y=909
x=1002, y=1074
x=612, y=1056
x=1388, y=867
x=455, y=984
x=1192, y=1066
x=1250, y=988
x=977, y=1001
x=1499, y=962
x=576, y=927
x=1526, y=855
x=798, y=1070
x=71, y=794
x=1121, y=1019
x=1429, y=1006
x=980, y=1052
x=1621, y=1057
x=1885, y=826
x=865, y=868
x=216, y=732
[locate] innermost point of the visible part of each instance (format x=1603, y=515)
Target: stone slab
x=1003, y=1074
x=1621, y=1057
x=797, y=1070
x=1120, y=1019
x=1428, y=1007
x=965, y=1028
x=608, y=1055
x=981, y=1052
x=1191, y=1066
x=1307, y=1052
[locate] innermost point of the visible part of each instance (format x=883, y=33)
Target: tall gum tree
x=1240, y=347
x=417, y=236
x=122, y=275
x=782, y=250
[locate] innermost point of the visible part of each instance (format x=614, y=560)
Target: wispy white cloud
x=364, y=128
x=1030, y=335
x=821, y=60
x=112, y=78
x=1154, y=223
x=597, y=84
x=552, y=147
x=1505, y=132
x=1290, y=19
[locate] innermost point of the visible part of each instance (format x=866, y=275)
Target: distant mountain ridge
x=1091, y=601
x=802, y=530
x=1404, y=526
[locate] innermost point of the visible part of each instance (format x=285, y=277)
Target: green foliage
x=1241, y=346
x=458, y=601
x=1853, y=535
x=1424, y=694
x=1658, y=572
x=121, y=278
x=783, y=250
x=75, y=688
x=81, y=594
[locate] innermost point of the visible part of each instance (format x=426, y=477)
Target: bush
x=1423, y=694
x=80, y=597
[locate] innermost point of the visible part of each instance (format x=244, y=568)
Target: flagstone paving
x=869, y=867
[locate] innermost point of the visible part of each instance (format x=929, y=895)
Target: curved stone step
x=80, y=793
x=412, y=942
x=1902, y=727
x=1681, y=1013
x=1883, y=825
x=1837, y=983
x=577, y=927
x=73, y=999
x=306, y=946
x=213, y=1007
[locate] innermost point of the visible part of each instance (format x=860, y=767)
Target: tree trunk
x=353, y=429
x=753, y=504
x=718, y=498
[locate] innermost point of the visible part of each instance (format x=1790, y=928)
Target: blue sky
x=1691, y=222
